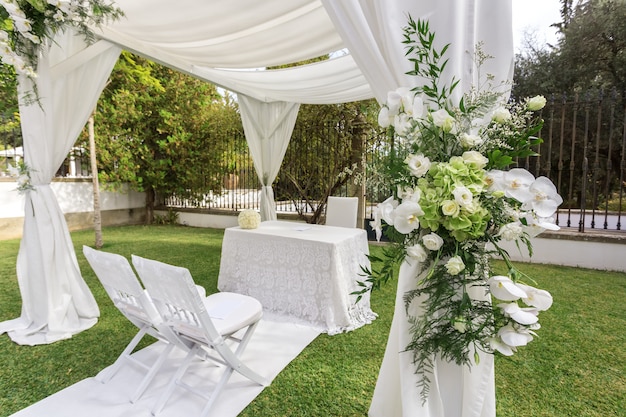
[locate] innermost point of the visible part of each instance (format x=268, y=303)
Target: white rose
x=511, y=231
x=501, y=115
x=432, y=241
x=468, y=141
x=536, y=103
x=455, y=265
x=475, y=158
x=450, y=208
x=463, y=196
x=418, y=164
x=417, y=252
x=442, y=119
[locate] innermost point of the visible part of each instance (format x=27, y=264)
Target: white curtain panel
x=56, y=302
x=268, y=128
x=372, y=31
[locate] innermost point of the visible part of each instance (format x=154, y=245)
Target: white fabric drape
x=268, y=128
x=372, y=31
x=56, y=302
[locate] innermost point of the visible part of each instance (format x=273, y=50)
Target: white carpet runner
x=271, y=348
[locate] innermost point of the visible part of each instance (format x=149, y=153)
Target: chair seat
x=231, y=311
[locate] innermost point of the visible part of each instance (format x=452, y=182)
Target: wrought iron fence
x=583, y=153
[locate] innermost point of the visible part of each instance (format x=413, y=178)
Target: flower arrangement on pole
x=454, y=200
x=26, y=26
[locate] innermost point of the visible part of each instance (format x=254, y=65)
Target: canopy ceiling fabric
x=221, y=41
x=206, y=39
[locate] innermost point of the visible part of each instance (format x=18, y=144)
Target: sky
x=535, y=16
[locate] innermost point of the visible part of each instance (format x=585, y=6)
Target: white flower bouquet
x=453, y=195
x=249, y=219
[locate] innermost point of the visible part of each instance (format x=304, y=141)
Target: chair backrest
x=342, y=211
x=176, y=298
x=122, y=286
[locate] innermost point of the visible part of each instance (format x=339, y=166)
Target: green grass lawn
x=577, y=366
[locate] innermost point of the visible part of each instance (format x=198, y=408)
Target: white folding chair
x=342, y=211
x=208, y=323
x=124, y=289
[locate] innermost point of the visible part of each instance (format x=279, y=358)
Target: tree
x=590, y=54
x=161, y=131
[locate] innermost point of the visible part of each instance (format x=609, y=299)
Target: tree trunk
x=150, y=197
x=97, y=218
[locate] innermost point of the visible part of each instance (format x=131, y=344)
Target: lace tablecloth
x=299, y=272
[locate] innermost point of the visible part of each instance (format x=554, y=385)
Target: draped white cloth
x=56, y=302
x=372, y=30
x=268, y=128
x=455, y=391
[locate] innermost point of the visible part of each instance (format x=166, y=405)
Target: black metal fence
x=583, y=153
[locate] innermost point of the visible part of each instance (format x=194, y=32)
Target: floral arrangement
x=454, y=199
x=249, y=219
x=21, y=173
x=26, y=25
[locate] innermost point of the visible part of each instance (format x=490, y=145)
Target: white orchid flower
x=524, y=316
x=497, y=344
x=495, y=180
x=402, y=124
x=406, y=217
x=535, y=297
x=394, y=101
x=384, y=119
x=517, y=183
x=503, y=288
x=545, y=198
x=386, y=209
x=515, y=337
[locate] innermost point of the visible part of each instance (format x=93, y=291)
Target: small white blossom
x=463, y=196
x=475, y=159
x=470, y=141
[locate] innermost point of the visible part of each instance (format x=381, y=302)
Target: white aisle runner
x=271, y=348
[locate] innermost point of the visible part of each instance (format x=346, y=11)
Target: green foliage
x=590, y=54
x=162, y=131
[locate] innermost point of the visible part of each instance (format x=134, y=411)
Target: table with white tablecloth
x=299, y=272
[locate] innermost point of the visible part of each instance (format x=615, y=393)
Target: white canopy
x=226, y=42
